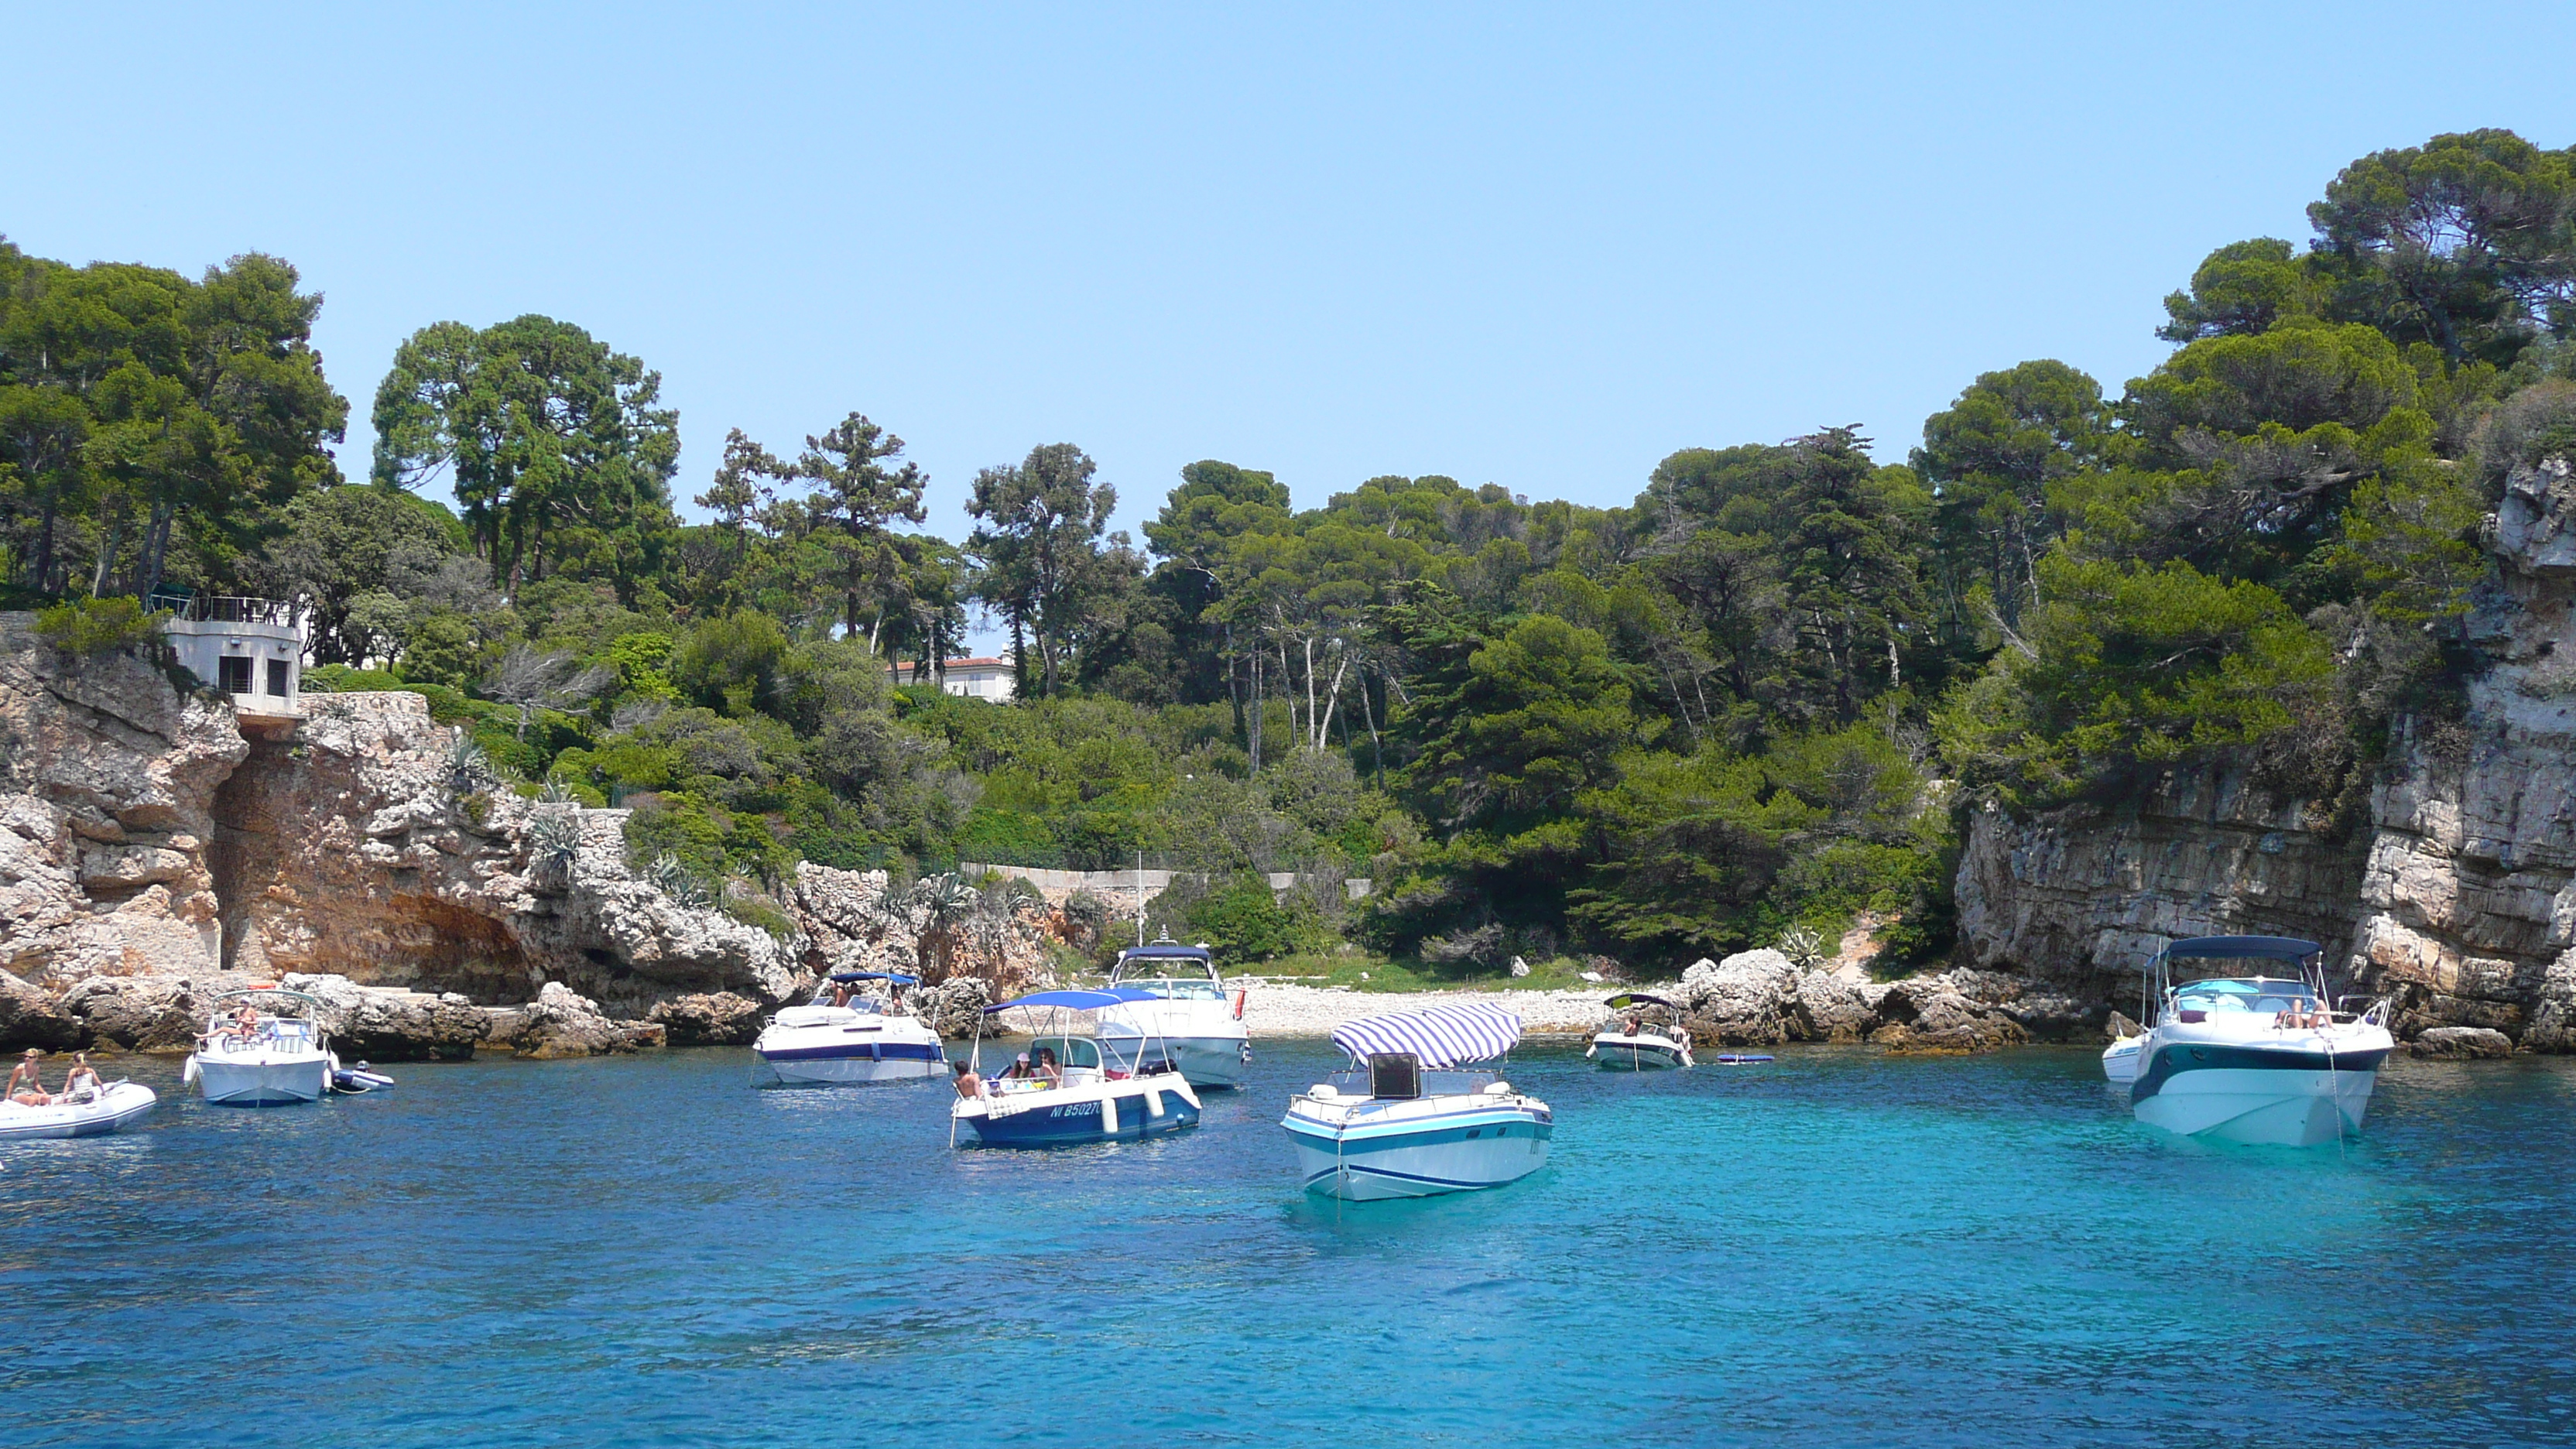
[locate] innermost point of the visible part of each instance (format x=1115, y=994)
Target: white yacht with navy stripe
x=1412, y=1118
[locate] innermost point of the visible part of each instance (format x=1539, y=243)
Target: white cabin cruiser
x=1075, y=1089
x=1406, y=1121
x=2255, y=1059
x=252, y=1058
x=83, y=1113
x=1179, y=1001
x=1646, y=1035
x=849, y=1034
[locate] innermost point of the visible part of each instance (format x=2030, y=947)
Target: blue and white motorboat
x=853, y=1031
x=1645, y=1034
x=2257, y=1059
x=261, y=1059
x=1075, y=1088
x=1184, y=1007
x=1408, y=1119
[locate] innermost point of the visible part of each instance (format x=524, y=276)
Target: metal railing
x=224, y=609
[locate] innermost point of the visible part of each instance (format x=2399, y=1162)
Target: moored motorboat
x=847, y=1035
x=1178, y=1001
x=1408, y=1119
x=1645, y=1034
x=255, y=1058
x=84, y=1113
x=2255, y=1059
x=2120, y=1059
x=1099, y=1090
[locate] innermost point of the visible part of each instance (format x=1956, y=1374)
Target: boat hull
x=2120, y=1060
x=262, y=1084
x=119, y=1106
x=1636, y=1054
x=2253, y=1096
x=1461, y=1152
x=849, y=1066
x=1071, y=1118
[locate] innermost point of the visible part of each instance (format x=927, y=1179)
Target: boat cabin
x=2199, y=1000
x=1171, y=971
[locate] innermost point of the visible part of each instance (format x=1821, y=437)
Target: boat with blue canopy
x=1070, y=1087
x=2267, y=1057
x=1413, y=1117
x=855, y=1031
x=1184, y=1006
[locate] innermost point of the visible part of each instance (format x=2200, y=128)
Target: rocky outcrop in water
x=562, y=1023
x=377, y=1024
x=2461, y=1043
x=701, y=1019
x=1762, y=998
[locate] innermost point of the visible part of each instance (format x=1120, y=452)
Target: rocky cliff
x=150, y=854
x=2457, y=895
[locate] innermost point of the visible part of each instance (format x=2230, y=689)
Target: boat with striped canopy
x=1413, y=1116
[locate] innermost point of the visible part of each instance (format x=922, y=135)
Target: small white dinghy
x=86, y=1113
x=263, y=1060
x=1647, y=1035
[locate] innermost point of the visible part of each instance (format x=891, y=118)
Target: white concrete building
x=973, y=678
x=251, y=649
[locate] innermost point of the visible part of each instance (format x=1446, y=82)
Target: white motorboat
x=1408, y=1120
x=1645, y=1035
x=2120, y=1059
x=85, y=1113
x=1178, y=1000
x=1076, y=1089
x=262, y=1060
x=2255, y=1059
x=849, y=1034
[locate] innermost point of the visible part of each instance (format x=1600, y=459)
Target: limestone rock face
x=2457, y=897
x=2460, y=1042
x=378, y=1025
x=108, y=776
x=354, y=849
x=955, y=1009
x=702, y=1019
x=852, y=921
x=561, y=1023
x=1943, y=1014
x=138, y=1013
x=32, y=1018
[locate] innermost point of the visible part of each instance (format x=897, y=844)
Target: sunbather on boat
x=1047, y=1068
x=246, y=1022
x=969, y=1085
x=83, y=1084
x=32, y=1093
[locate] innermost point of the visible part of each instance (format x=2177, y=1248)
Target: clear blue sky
x=1535, y=247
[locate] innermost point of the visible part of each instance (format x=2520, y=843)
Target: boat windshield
x=1174, y=978
x=2257, y=994
x=1070, y=1051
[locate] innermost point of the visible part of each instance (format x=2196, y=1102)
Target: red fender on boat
x=1238, y=1004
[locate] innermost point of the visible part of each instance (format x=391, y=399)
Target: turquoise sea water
x=1839, y=1248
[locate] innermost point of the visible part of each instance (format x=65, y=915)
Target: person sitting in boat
x=1018, y=1069
x=27, y=1084
x=83, y=1084
x=1046, y=1067
x=969, y=1085
x=246, y=1022
x=1629, y=1026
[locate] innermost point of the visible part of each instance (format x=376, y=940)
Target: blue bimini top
x=1078, y=1000
x=1442, y=1036
x=897, y=977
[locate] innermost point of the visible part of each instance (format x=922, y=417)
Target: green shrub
x=99, y=626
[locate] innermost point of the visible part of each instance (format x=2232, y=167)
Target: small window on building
x=232, y=674
x=277, y=677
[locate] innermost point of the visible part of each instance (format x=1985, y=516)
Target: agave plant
x=678, y=882
x=556, y=792
x=468, y=768
x=945, y=901
x=554, y=838
x=1803, y=946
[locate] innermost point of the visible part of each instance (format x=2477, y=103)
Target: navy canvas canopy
x=1166, y=948
x=1077, y=1000
x=1442, y=1036
x=2261, y=948
x=1630, y=998
x=897, y=977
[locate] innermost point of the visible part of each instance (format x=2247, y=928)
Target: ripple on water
x=1838, y=1247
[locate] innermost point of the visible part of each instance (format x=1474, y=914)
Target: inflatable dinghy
x=105, y=1110
x=350, y=1081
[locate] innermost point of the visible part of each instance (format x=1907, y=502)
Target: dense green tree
x=2241, y=289
x=1990, y=459
x=1038, y=537
x=559, y=453
x=336, y=546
